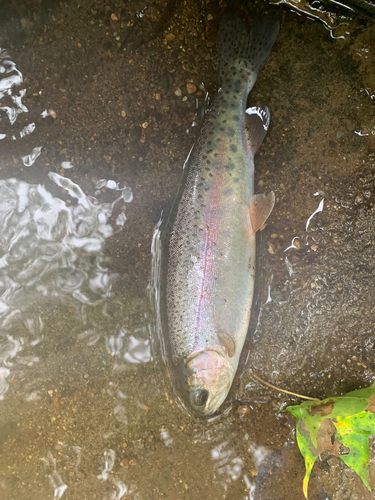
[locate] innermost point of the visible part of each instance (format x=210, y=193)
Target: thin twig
x=283, y=390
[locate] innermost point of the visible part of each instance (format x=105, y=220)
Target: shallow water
x=95, y=124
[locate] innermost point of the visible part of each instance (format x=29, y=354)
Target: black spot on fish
x=228, y=192
x=218, y=139
x=230, y=132
x=210, y=174
x=216, y=154
x=236, y=179
x=233, y=148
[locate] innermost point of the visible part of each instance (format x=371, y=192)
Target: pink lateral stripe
x=211, y=230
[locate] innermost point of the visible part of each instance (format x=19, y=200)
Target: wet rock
x=191, y=88
x=243, y=410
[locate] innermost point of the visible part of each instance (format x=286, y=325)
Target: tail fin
x=251, y=48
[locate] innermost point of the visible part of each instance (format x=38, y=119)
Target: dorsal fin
x=257, y=122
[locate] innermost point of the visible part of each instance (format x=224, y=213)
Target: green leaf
x=341, y=426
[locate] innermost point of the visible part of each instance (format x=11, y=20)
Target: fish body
x=210, y=245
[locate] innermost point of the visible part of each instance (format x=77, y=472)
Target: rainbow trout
x=209, y=248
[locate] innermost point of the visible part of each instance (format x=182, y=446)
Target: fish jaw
x=210, y=376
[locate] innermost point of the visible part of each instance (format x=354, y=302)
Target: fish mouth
x=210, y=376
x=214, y=402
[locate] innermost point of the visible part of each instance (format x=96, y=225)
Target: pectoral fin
x=227, y=342
x=261, y=206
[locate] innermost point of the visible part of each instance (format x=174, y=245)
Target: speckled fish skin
x=210, y=245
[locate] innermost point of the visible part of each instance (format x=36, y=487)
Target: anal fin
x=261, y=206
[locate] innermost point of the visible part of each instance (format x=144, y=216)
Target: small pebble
x=191, y=88
x=123, y=113
x=243, y=410
x=124, y=463
x=114, y=17
x=170, y=37
x=271, y=249
x=210, y=17
x=178, y=92
x=157, y=96
x=184, y=99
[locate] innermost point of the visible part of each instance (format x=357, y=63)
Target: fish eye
x=199, y=397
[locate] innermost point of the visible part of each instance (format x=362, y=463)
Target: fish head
x=209, y=378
